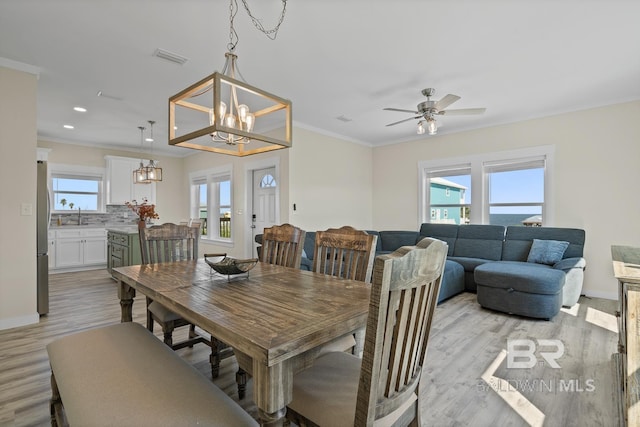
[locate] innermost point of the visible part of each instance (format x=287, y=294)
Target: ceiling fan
x=428, y=109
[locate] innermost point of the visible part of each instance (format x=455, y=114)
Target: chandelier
x=223, y=114
x=151, y=172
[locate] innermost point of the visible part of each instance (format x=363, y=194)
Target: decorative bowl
x=230, y=266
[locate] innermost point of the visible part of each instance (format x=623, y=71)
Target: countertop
x=120, y=228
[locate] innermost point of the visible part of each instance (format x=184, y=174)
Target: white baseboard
x=600, y=294
x=15, y=322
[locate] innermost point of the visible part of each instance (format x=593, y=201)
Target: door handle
x=253, y=226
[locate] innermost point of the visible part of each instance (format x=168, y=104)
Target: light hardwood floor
x=460, y=386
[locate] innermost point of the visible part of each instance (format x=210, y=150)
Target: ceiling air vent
x=170, y=56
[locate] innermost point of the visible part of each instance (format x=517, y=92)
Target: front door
x=264, y=202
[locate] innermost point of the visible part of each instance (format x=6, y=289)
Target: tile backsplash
x=115, y=215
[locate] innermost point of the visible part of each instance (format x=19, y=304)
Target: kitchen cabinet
x=120, y=186
x=80, y=247
x=123, y=248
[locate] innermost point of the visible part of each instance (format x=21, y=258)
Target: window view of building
x=507, y=188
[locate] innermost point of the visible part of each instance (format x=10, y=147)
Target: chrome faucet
x=79, y=222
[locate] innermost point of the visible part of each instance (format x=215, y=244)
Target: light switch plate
x=26, y=209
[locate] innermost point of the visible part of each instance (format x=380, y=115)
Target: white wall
x=17, y=186
x=597, y=154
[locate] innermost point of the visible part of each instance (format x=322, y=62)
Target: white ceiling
x=520, y=59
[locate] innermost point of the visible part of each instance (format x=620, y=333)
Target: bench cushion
x=520, y=276
x=123, y=375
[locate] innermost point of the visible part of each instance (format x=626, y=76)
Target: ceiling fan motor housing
x=427, y=107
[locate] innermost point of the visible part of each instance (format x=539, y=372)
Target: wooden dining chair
x=346, y=253
x=169, y=243
x=382, y=387
x=281, y=245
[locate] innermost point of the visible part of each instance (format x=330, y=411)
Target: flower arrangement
x=144, y=210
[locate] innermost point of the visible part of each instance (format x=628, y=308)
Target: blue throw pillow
x=547, y=251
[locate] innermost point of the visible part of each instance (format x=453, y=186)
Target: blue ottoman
x=522, y=288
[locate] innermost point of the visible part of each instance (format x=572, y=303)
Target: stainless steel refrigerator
x=43, y=214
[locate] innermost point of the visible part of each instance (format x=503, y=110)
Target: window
x=449, y=191
x=505, y=188
x=76, y=188
x=516, y=192
x=211, y=201
x=268, y=181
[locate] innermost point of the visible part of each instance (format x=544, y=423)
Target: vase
x=141, y=224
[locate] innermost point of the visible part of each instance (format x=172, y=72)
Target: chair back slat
x=403, y=299
x=282, y=245
x=345, y=252
x=169, y=243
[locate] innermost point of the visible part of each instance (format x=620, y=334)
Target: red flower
x=144, y=210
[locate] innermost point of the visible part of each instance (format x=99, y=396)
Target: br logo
x=521, y=353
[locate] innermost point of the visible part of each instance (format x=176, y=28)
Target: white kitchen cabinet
x=80, y=247
x=120, y=186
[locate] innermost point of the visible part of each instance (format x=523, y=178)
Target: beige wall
x=331, y=182
x=594, y=177
x=17, y=186
x=171, y=200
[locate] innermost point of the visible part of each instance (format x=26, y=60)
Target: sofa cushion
x=518, y=240
x=520, y=276
x=547, y=251
x=479, y=241
x=309, y=244
x=445, y=232
x=452, y=280
x=393, y=240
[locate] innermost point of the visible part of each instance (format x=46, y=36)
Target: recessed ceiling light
x=68, y=127
x=80, y=109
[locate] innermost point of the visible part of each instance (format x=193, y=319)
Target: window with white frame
x=211, y=202
x=77, y=187
x=449, y=191
x=504, y=188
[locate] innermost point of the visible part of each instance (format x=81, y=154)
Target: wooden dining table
x=277, y=316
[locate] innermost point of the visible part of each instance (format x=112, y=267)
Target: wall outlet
x=125, y=214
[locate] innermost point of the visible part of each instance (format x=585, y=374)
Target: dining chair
x=346, y=253
x=381, y=388
x=168, y=243
x=281, y=245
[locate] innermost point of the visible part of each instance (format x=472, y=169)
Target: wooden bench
x=122, y=375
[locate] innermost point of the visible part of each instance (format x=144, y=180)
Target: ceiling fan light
x=432, y=127
x=421, y=129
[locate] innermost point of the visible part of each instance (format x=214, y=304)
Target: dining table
x=277, y=316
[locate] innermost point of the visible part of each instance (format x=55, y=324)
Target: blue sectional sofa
x=510, y=268
x=500, y=264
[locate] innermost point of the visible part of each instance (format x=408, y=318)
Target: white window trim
x=80, y=171
x=479, y=185
x=210, y=176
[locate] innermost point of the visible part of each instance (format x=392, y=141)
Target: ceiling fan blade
x=446, y=101
x=462, y=111
x=402, y=111
x=405, y=120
